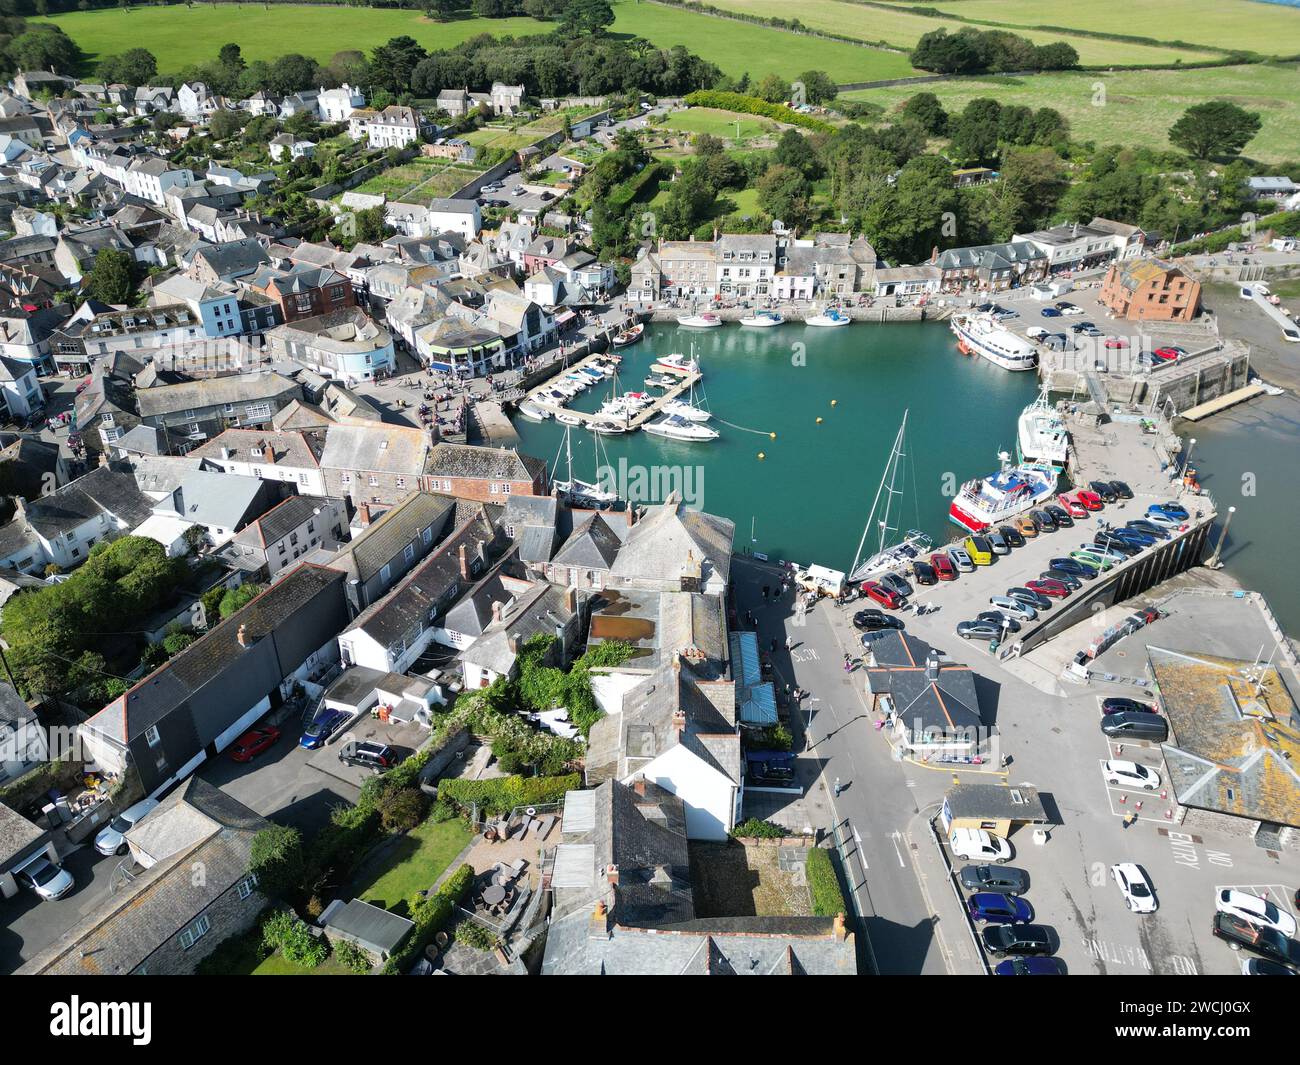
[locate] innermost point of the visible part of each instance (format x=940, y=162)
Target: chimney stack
x=679, y=722
x=571, y=600
x=599, y=925
x=840, y=927
x=365, y=514
x=464, y=562
x=496, y=611
x=932, y=668
x=242, y=636
x=611, y=875
x=638, y=786
x=268, y=452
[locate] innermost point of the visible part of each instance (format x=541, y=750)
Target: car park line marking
x=1109, y=953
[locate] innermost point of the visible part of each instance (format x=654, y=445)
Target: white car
x=1163, y=520
x=48, y=880
x=1035, y=332
x=1130, y=774
x=1255, y=910
x=1071, y=310
x=1014, y=607
x=112, y=838
x=1138, y=893
x=977, y=845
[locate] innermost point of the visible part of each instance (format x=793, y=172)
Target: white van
x=821, y=580
x=976, y=845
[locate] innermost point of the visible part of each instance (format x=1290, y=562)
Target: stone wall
x=229, y=916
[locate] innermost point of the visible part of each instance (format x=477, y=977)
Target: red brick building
x=1150, y=290
x=488, y=474
x=304, y=291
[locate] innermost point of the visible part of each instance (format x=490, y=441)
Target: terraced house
x=490, y=475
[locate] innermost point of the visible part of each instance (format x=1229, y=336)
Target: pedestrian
x=848, y=663
x=789, y=643
x=766, y=589
x=837, y=787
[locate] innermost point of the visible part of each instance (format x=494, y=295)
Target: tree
x=925, y=110
x=393, y=63
x=1215, y=128
x=905, y=220
x=784, y=193
x=45, y=47
x=774, y=89
x=224, y=124
x=796, y=151
x=818, y=87
x=441, y=10
x=237, y=598
x=109, y=280
x=136, y=66
x=587, y=17
x=974, y=132
x=231, y=56
x=276, y=859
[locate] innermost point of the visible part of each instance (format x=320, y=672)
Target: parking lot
x=404, y=739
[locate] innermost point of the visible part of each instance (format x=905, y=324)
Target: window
x=245, y=887
x=401, y=482
x=196, y=931
x=385, y=573
x=409, y=553
x=492, y=488
x=428, y=536
x=374, y=481
x=346, y=478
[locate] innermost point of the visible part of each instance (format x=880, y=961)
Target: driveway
x=31, y=925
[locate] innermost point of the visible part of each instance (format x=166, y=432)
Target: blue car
x=1029, y=967
x=1172, y=511
x=999, y=909
x=322, y=727
x=1133, y=536
x=1050, y=312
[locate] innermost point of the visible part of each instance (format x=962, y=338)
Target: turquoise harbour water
x=808, y=499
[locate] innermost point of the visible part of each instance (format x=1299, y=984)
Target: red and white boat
x=989, y=500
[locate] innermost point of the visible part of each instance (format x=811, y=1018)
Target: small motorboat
x=628, y=336
x=688, y=411
x=568, y=418
x=764, y=319
x=829, y=318
x=676, y=363
x=610, y=427
x=676, y=427
x=700, y=321
x=661, y=380
x=533, y=412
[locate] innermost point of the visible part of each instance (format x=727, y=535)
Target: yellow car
x=979, y=549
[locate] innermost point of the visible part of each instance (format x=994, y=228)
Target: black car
x=1044, y=521
x=1131, y=726
x=1116, y=543
x=1012, y=535
x=1004, y=878
x=1068, y=579
x=374, y=756
x=1001, y=620
x=1119, y=704
x=1149, y=528
x=1266, y=942
x=896, y=584
x=875, y=620
x=1060, y=515
x=1017, y=939
x=1121, y=489
x=1103, y=489
x=923, y=573
x=771, y=773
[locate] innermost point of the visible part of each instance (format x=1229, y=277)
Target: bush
x=473, y=934
x=400, y=809
x=277, y=861
x=430, y=913
x=352, y=957
x=503, y=794
x=753, y=105
x=823, y=884
x=444, y=810
x=284, y=932
x=756, y=829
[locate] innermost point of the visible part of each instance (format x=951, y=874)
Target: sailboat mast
x=889, y=466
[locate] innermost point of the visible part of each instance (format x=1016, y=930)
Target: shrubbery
x=823, y=884
x=757, y=829
x=500, y=795
x=285, y=932
x=752, y=105
x=430, y=913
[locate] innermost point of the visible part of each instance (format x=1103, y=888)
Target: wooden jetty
x=684, y=384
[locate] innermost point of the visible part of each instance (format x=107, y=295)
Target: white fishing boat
x=533, y=412
x=688, y=411
x=609, y=426
x=983, y=335
x=628, y=336
x=1041, y=436
x=568, y=418
x=577, y=492
x=830, y=318
x=891, y=550
x=676, y=427
x=676, y=363
x=660, y=380
x=1012, y=490
x=763, y=319
x=700, y=321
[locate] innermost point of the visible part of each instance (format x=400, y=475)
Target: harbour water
x=834, y=398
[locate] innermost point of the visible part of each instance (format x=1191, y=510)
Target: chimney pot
x=496, y=611
x=841, y=928
x=464, y=562
x=611, y=874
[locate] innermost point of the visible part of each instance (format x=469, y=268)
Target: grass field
x=1270, y=29
x=903, y=29
x=499, y=138
x=721, y=124
x=397, y=180
x=1139, y=106
x=180, y=36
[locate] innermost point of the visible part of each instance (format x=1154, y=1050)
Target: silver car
x=112, y=838
x=49, y=880
x=961, y=559
x=1014, y=607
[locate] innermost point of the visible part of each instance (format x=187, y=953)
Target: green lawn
x=903, y=28
x=1137, y=107
x=487, y=137
x=415, y=863
x=1270, y=29
x=721, y=124
x=243, y=957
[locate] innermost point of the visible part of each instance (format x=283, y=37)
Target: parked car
x=1256, y=910
x=1150, y=528
x=1116, y=343
x=1163, y=521
x=960, y=559
x=1119, y=772
x=369, y=755
x=1121, y=489
x=1050, y=312
x=322, y=727
x=1117, y=546
x=1103, y=489
x=998, y=542
x=1046, y=523
x=1004, y=622
x=1003, y=878
x=1051, y=588
x=878, y=593
x=1122, y=704
x=1014, y=607
x=1071, y=582
x=773, y=774
x=112, y=837
x=979, y=550
x=1096, y=561
x=1063, y=518
x=1027, y=595
x=1135, y=727
x=1003, y=939
x=976, y=844
x=1136, y=887
x=1264, y=967
x=1089, y=499
x=1030, y=967
x=253, y=742
x=1011, y=535
x=1176, y=511
x=875, y=620
x=995, y=908
x=896, y=584
x=1133, y=536
x=943, y=567
x=1269, y=943
x=978, y=630
x=1074, y=566
x=48, y=879
x=923, y=573
x=1026, y=526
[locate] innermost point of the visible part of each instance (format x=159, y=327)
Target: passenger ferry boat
x=1042, y=439
x=980, y=334
x=1012, y=490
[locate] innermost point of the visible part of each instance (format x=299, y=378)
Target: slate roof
x=282, y=519
x=197, y=826
x=939, y=699
x=225, y=500
x=658, y=546
x=233, y=258
x=297, y=449
x=212, y=392
x=101, y=491
x=376, y=448
x=593, y=546
x=995, y=802
x=539, y=611
x=381, y=541
x=483, y=463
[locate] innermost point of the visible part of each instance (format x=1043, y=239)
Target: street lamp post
x=1187, y=462
x=1223, y=535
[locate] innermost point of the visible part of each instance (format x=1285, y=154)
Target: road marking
x=1109, y=953
x=862, y=855
x=804, y=654
x=896, y=836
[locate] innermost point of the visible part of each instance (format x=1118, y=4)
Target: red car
x=1090, y=500
x=882, y=595
x=1116, y=342
x=943, y=567
x=1048, y=587
x=253, y=742
x=1166, y=354
x=1072, y=506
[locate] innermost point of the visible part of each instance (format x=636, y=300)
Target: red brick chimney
x=464, y=562
x=638, y=786
x=242, y=636
x=268, y=453
x=365, y=514
x=840, y=927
